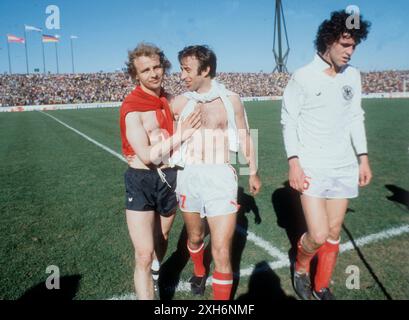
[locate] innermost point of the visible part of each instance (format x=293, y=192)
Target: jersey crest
x=347, y=92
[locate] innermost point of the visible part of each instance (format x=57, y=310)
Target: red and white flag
x=11, y=38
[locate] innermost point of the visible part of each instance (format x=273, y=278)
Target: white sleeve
x=293, y=98
x=357, y=128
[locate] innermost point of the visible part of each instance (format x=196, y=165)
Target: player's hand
x=254, y=184
x=365, y=173
x=190, y=125
x=296, y=175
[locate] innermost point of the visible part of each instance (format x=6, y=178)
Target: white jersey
x=322, y=116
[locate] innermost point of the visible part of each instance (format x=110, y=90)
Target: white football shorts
x=332, y=183
x=209, y=189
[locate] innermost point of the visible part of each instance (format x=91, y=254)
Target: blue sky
x=239, y=31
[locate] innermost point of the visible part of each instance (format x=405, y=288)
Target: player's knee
x=144, y=259
x=334, y=233
x=319, y=238
x=195, y=240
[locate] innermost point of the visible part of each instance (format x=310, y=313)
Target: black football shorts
x=145, y=190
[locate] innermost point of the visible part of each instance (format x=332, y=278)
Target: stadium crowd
x=385, y=81
x=39, y=89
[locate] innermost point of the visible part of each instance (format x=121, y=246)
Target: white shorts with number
x=209, y=189
x=332, y=183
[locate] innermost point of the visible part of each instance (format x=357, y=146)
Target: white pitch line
x=275, y=265
x=386, y=234
x=274, y=252
x=129, y=296
x=389, y=233
x=120, y=157
x=271, y=250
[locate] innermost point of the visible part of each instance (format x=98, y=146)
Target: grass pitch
x=62, y=204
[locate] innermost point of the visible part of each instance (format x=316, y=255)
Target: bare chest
x=214, y=115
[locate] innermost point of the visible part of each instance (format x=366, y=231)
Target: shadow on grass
x=287, y=206
x=264, y=285
x=247, y=205
x=400, y=196
x=365, y=262
x=171, y=269
x=67, y=290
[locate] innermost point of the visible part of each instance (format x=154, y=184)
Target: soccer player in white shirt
x=324, y=137
x=207, y=186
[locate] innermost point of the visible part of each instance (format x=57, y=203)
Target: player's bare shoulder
x=135, y=121
x=134, y=117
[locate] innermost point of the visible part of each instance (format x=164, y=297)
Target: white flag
x=30, y=28
x=74, y=37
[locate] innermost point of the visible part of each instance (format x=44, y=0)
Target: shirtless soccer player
x=147, y=126
x=207, y=186
x=324, y=135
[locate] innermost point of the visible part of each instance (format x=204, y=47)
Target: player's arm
x=154, y=154
x=246, y=143
x=290, y=110
x=358, y=135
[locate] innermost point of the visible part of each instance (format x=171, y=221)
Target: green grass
x=61, y=203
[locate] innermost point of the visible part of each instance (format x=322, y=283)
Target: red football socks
x=197, y=258
x=327, y=258
x=303, y=259
x=222, y=285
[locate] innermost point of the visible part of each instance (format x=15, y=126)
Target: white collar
x=319, y=63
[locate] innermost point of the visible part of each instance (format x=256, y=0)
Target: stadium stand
x=39, y=89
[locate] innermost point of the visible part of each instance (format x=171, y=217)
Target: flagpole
x=25, y=44
x=8, y=50
x=72, y=56
x=56, y=56
x=42, y=45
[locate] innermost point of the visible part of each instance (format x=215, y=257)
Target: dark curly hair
x=205, y=56
x=331, y=30
x=145, y=50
